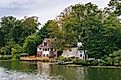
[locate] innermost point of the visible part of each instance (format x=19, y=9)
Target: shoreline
x=106, y=67
x=70, y=65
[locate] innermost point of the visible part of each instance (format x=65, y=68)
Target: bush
x=114, y=59
x=5, y=58
x=61, y=58
x=79, y=61
x=16, y=50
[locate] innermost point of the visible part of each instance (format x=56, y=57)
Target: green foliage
x=14, y=31
x=2, y=35
x=31, y=43
x=44, y=31
x=11, y=29
x=115, y=5
x=15, y=51
x=114, y=59
x=31, y=25
x=78, y=61
x=5, y=50
x=61, y=58
x=98, y=30
x=5, y=57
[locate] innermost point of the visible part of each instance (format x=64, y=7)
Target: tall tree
x=44, y=31
x=91, y=26
x=31, y=43
x=14, y=31
x=11, y=28
x=2, y=36
x=115, y=5
x=17, y=30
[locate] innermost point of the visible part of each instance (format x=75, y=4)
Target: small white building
x=75, y=52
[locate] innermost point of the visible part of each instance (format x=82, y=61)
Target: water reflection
x=17, y=70
x=62, y=72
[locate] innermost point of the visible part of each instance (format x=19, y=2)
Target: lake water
x=18, y=70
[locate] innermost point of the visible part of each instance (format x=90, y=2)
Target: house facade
x=74, y=52
x=45, y=49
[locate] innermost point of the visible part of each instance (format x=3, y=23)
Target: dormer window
x=45, y=43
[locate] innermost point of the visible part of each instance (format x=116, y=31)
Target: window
x=47, y=55
x=45, y=49
x=43, y=55
x=80, y=51
x=80, y=55
x=70, y=50
x=45, y=43
x=51, y=49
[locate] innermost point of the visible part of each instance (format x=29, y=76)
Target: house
x=45, y=49
x=74, y=51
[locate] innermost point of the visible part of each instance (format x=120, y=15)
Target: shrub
x=61, y=58
x=79, y=61
x=114, y=59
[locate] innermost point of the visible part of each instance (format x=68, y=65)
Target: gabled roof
x=41, y=46
x=49, y=43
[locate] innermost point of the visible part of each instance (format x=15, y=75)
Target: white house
x=75, y=52
x=45, y=49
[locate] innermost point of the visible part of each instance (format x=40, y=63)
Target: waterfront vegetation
x=99, y=30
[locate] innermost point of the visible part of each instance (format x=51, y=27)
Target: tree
x=98, y=30
x=2, y=36
x=31, y=43
x=5, y=50
x=113, y=59
x=11, y=28
x=31, y=24
x=115, y=5
x=15, y=51
x=16, y=30
x=44, y=31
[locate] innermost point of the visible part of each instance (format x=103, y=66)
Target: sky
x=44, y=9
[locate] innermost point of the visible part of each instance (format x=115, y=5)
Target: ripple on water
x=14, y=75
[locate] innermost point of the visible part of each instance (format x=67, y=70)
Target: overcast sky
x=44, y=9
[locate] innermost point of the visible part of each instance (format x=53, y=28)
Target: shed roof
x=24, y=54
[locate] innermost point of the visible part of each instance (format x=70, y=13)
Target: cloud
x=44, y=9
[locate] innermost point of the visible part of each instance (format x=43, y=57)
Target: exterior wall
x=69, y=52
x=73, y=52
x=39, y=52
x=45, y=53
x=48, y=53
x=38, y=49
x=80, y=54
